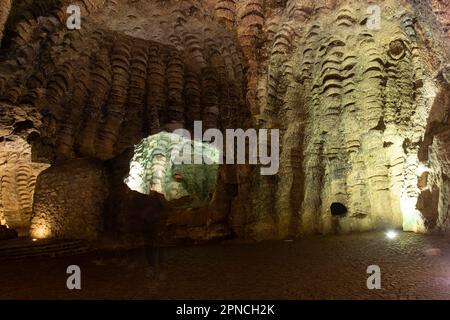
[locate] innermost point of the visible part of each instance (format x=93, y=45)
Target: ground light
x=391, y=234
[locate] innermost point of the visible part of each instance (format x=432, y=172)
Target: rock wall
x=358, y=94
x=362, y=110
x=17, y=181
x=18, y=171
x=360, y=99
x=5, y=7
x=154, y=168
x=442, y=10
x=102, y=90
x=120, y=78
x=130, y=214
x=434, y=182
x=69, y=201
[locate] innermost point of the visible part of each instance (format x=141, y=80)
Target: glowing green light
x=156, y=166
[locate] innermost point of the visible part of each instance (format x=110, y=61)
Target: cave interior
x=87, y=116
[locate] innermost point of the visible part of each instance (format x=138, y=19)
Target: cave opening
x=338, y=209
x=164, y=163
x=18, y=176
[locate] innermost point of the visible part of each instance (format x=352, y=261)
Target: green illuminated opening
x=156, y=167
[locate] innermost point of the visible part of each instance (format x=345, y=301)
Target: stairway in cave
x=25, y=248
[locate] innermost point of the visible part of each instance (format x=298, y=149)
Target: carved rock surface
x=352, y=104
x=362, y=109
x=18, y=172
x=442, y=10
x=64, y=206
x=5, y=8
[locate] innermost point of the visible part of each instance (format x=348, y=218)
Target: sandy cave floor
x=322, y=267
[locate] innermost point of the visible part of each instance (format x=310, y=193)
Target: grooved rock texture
x=17, y=177
x=434, y=179
x=442, y=10
x=131, y=214
x=5, y=7
x=359, y=100
x=362, y=108
x=155, y=168
x=69, y=201
x=17, y=170
x=362, y=99
x=102, y=90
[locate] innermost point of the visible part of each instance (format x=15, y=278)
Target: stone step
x=16, y=244
x=19, y=249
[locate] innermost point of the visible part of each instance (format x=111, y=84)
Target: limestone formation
x=442, y=10
x=166, y=163
x=18, y=172
x=362, y=97
x=18, y=177
x=69, y=200
x=5, y=8
x=361, y=102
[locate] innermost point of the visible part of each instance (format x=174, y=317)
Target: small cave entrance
x=184, y=171
x=338, y=209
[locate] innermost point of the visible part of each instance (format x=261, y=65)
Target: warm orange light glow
x=40, y=231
